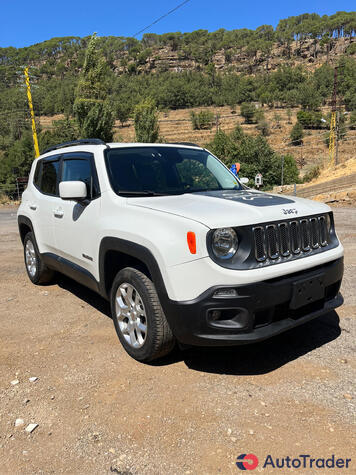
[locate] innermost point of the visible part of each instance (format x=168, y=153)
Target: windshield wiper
x=139, y=193
x=199, y=190
x=147, y=193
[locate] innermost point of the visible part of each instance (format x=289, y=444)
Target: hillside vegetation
x=279, y=77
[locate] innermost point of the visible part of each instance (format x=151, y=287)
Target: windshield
x=166, y=170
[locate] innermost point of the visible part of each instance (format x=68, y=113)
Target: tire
x=37, y=271
x=138, y=317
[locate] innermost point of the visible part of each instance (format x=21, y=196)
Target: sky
x=24, y=23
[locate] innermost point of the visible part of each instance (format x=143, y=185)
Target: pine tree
x=297, y=134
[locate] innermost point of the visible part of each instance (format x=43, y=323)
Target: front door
x=75, y=222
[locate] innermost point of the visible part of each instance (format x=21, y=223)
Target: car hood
x=225, y=208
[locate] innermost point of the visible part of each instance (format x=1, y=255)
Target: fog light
x=215, y=315
x=223, y=293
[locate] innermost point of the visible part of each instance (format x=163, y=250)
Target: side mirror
x=244, y=181
x=73, y=190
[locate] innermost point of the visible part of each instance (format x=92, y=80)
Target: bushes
x=255, y=156
x=63, y=131
x=248, y=111
x=263, y=127
x=202, y=120
x=146, y=121
x=123, y=111
x=297, y=134
x=312, y=174
x=310, y=119
x=353, y=120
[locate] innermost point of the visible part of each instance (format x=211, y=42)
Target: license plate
x=307, y=291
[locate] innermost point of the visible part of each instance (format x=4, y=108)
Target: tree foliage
x=248, y=112
x=255, y=156
x=146, y=121
x=297, y=134
x=92, y=110
x=202, y=120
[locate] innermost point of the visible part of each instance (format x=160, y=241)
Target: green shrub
x=313, y=173
x=297, y=134
x=353, y=120
x=202, y=120
x=248, y=111
x=255, y=156
x=146, y=121
x=310, y=119
x=63, y=131
x=123, y=111
x=263, y=127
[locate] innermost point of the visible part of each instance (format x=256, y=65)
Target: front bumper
x=259, y=310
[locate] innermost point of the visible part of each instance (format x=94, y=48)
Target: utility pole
x=30, y=105
x=333, y=127
x=337, y=137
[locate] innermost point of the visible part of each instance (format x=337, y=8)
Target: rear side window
x=49, y=179
x=36, y=177
x=81, y=170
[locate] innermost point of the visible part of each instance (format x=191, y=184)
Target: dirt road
x=99, y=411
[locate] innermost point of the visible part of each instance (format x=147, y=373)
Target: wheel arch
x=116, y=254
x=25, y=226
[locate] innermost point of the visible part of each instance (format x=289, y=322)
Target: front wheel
x=37, y=271
x=139, y=320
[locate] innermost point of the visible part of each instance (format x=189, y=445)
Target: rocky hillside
x=308, y=53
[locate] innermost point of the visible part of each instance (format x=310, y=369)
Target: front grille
x=293, y=237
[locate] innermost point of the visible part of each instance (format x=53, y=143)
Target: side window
x=50, y=171
x=80, y=170
x=36, y=176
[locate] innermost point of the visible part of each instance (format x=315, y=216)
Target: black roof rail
x=75, y=142
x=185, y=143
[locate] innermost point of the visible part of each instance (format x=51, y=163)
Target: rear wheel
x=139, y=320
x=37, y=271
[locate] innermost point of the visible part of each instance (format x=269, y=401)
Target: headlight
x=224, y=243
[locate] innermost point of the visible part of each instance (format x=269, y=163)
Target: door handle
x=33, y=207
x=58, y=213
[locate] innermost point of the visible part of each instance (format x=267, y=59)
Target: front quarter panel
x=164, y=235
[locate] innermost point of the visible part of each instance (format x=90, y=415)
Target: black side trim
x=134, y=250
x=24, y=220
x=70, y=269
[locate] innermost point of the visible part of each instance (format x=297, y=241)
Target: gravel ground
x=99, y=411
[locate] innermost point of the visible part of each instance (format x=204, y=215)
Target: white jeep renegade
x=181, y=248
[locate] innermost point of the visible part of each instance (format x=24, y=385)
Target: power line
x=161, y=18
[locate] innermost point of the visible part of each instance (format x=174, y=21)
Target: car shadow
x=83, y=293
x=254, y=359
x=263, y=357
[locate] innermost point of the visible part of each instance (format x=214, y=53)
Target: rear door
x=75, y=223
x=44, y=201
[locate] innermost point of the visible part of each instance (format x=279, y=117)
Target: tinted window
x=36, y=177
x=80, y=170
x=192, y=171
x=166, y=170
x=49, y=177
